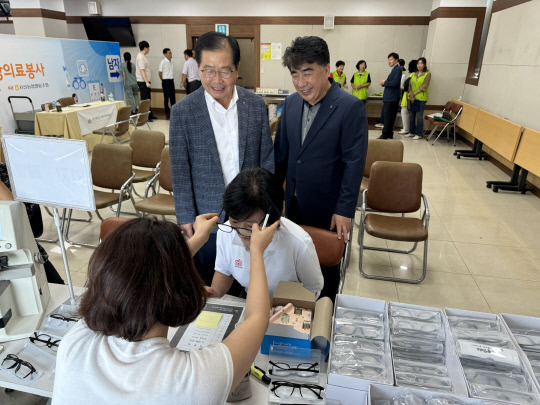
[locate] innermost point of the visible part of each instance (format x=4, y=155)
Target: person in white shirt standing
x=166, y=74
x=144, y=74
x=291, y=256
x=190, y=73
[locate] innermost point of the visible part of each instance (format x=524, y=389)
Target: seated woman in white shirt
x=290, y=257
x=141, y=281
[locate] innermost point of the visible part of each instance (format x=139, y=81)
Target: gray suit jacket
x=197, y=177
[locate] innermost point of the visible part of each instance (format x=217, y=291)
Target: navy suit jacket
x=198, y=182
x=392, y=85
x=327, y=169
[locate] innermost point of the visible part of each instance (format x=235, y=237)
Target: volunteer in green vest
x=405, y=80
x=361, y=81
x=338, y=75
x=418, y=95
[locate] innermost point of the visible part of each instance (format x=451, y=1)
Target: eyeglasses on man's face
x=245, y=232
x=223, y=73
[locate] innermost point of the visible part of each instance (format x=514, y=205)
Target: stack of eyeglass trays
x=296, y=376
x=360, y=345
x=492, y=364
x=38, y=355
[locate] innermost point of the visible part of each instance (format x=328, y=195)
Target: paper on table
x=208, y=320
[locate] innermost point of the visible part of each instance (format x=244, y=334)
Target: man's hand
x=188, y=229
x=342, y=226
x=211, y=292
x=381, y=82
x=148, y=85
x=204, y=224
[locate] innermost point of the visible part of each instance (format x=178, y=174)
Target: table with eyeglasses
x=44, y=385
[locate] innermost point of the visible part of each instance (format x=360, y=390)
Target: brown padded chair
x=66, y=101
x=110, y=224
x=454, y=111
x=141, y=118
x=119, y=128
x=330, y=250
x=111, y=169
x=147, y=147
x=159, y=204
x=394, y=188
x=389, y=150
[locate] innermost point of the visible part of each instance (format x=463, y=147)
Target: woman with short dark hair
x=418, y=96
x=141, y=281
x=361, y=81
x=291, y=256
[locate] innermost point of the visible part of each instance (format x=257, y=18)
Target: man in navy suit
x=320, y=146
x=215, y=132
x=391, y=96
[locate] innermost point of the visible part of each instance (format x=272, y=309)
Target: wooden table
x=66, y=123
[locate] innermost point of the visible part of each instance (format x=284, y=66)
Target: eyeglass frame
x=49, y=343
x=297, y=368
x=224, y=74
x=18, y=362
x=312, y=387
x=235, y=228
x=65, y=318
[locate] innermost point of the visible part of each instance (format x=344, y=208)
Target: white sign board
x=49, y=171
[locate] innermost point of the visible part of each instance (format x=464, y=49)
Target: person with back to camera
x=418, y=96
x=361, y=81
x=119, y=352
x=291, y=256
x=405, y=117
x=130, y=82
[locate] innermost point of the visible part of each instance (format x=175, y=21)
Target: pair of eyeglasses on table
x=287, y=389
x=44, y=340
x=21, y=368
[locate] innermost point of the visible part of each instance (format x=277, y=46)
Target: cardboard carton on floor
x=285, y=335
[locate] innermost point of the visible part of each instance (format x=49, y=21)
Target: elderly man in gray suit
x=215, y=132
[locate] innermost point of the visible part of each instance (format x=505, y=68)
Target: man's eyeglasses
x=286, y=389
x=300, y=370
x=44, y=340
x=211, y=73
x=20, y=367
x=245, y=232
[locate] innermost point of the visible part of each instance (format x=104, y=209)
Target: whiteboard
x=49, y=171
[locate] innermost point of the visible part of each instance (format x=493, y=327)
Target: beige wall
x=349, y=43
x=509, y=84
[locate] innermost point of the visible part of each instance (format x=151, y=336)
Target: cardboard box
x=294, y=293
x=360, y=384
x=453, y=364
x=511, y=322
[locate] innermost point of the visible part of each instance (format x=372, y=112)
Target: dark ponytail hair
x=127, y=58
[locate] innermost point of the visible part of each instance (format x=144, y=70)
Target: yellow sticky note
x=208, y=320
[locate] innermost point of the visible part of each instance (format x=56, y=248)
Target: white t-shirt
x=291, y=256
x=166, y=68
x=141, y=63
x=225, y=126
x=191, y=70
x=95, y=369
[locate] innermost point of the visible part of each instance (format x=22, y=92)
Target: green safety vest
x=338, y=79
x=405, y=95
x=358, y=78
x=416, y=83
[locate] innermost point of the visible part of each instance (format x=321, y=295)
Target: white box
x=522, y=322
x=386, y=392
x=493, y=317
x=347, y=396
x=349, y=301
x=453, y=364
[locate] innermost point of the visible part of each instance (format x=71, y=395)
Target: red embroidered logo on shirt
x=238, y=263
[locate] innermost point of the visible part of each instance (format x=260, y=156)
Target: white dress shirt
x=166, y=69
x=225, y=126
x=291, y=256
x=142, y=64
x=191, y=70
